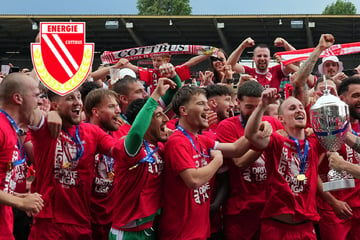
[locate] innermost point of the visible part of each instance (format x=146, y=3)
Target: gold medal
x=111, y=175
x=301, y=177
x=10, y=165
x=66, y=165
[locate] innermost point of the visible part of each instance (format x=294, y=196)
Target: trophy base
x=338, y=184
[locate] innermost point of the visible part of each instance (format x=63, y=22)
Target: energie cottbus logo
x=62, y=59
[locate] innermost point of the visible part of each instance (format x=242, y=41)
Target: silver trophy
x=329, y=120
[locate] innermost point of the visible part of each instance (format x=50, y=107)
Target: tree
x=163, y=7
x=340, y=7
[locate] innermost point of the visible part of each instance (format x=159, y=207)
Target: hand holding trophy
x=330, y=120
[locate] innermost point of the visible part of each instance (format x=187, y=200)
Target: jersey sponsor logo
x=353, y=157
x=14, y=175
x=256, y=172
x=288, y=168
x=65, y=152
x=268, y=76
x=202, y=193
x=62, y=59
x=102, y=184
x=157, y=167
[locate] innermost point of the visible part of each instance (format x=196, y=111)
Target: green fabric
x=148, y=219
x=171, y=92
x=147, y=234
x=134, y=139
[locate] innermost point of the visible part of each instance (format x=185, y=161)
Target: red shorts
x=100, y=231
x=333, y=228
x=47, y=229
x=274, y=230
x=245, y=225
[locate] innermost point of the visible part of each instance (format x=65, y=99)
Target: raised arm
x=167, y=70
x=238, y=148
x=300, y=87
x=281, y=42
x=195, y=60
x=235, y=55
x=122, y=63
x=134, y=139
x=252, y=128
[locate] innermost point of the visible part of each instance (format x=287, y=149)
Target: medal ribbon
x=149, y=157
x=19, y=132
x=303, y=158
x=243, y=123
x=77, y=141
x=354, y=132
x=109, y=162
x=192, y=142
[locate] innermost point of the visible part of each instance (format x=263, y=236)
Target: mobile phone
x=14, y=69
x=350, y=72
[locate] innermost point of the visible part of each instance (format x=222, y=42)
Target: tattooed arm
x=300, y=87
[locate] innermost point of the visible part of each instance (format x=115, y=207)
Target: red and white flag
x=289, y=57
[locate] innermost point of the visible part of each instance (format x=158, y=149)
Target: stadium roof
x=227, y=32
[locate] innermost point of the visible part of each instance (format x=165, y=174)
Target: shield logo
x=62, y=59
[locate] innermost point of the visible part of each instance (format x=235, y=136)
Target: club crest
x=62, y=59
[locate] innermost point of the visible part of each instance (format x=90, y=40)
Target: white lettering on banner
x=149, y=50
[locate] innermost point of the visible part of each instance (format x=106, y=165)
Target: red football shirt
x=8, y=177
x=185, y=213
x=284, y=193
x=137, y=191
x=271, y=79
x=67, y=189
x=102, y=188
x=247, y=185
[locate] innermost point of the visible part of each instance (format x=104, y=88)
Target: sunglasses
x=214, y=59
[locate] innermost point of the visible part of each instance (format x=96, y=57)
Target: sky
x=199, y=7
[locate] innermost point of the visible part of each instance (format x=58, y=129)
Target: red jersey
x=138, y=190
x=185, y=213
x=350, y=195
x=270, y=79
x=151, y=76
x=65, y=183
x=8, y=176
x=285, y=194
x=172, y=123
x=247, y=185
x=102, y=188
